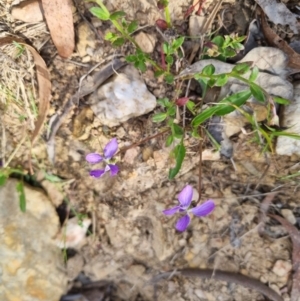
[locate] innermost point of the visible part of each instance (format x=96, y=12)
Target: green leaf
x=100, y=13
x=132, y=27
x=169, y=78
x=218, y=40
x=177, y=43
x=169, y=140
x=169, y=59
x=22, y=199
x=3, y=179
x=164, y=102
x=179, y=152
x=117, y=15
x=254, y=74
x=118, y=42
x=237, y=99
x=204, y=115
x=208, y=70
x=177, y=131
x=280, y=100
x=52, y=178
x=211, y=82
x=131, y=58
x=191, y=106
x=141, y=66
x=257, y=92
x=221, y=80
x=166, y=48
x=171, y=111
x=159, y=117
x=229, y=52
x=159, y=73
x=195, y=133
x=203, y=84
x=285, y=134
x=241, y=68
x=110, y=36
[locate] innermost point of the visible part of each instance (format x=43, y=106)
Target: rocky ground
x=107, y=238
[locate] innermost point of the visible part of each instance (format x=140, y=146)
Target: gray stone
x=285, y=145
x=31, y=265
x=123, y=97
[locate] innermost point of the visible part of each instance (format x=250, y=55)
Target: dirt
x=130, y=240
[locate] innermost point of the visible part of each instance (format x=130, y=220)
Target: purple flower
x=185, y=199
x=110, y=150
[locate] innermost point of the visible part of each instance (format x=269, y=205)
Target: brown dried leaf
x=295, y=237
x=59, y=17
x=274, y=40
x=44, y=84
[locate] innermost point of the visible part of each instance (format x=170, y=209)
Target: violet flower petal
x=97, y=173
x=93, y=158
x=110, y=148
x=171, y=211
x=114, y=169
x=183, y=223
x=185, y=196
x=203, y=209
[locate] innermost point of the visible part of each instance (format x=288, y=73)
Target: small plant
x=219, y=48
x=185, y=199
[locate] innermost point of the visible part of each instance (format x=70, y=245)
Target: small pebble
x=282, y=267
x=289, y=216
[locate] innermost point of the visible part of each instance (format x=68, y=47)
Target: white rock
x=285, y=145
x=122, y=98
x=73, y=233
x=145, y=41
x=31, y=265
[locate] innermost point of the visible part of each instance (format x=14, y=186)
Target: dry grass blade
x=44, y=84
x=59, y=17
x=295, y=237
